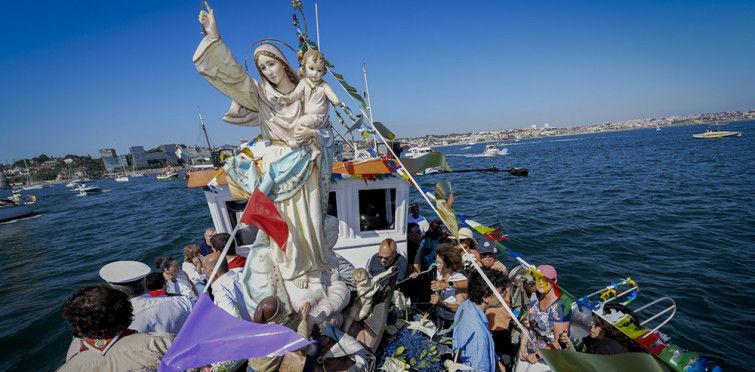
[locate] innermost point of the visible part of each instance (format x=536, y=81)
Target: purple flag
x=212, y=335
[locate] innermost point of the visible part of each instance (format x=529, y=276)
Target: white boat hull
x=121, y=179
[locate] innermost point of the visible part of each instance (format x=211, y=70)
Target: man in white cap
x=151, y=314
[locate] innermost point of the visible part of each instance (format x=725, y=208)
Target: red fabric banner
x=261, y=212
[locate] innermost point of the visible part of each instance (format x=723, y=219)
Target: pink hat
x=548, y=271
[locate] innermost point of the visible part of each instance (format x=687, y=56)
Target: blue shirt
x=472, y=337
x=204, y=248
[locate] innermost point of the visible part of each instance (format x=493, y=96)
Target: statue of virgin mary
x=295, y=179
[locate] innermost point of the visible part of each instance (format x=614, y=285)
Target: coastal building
x=138, y=156
x=110, y=159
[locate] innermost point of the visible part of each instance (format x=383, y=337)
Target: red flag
x=261, y=212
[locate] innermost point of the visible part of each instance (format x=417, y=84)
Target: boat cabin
x=368, y=211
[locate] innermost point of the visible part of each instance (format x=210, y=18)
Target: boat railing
x=671, y=309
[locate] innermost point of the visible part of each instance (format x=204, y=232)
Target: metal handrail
x=671, y=308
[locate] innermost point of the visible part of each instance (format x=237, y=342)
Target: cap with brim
x=124, y=271
x=487, y=247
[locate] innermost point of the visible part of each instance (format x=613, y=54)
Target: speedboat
x=415, y=152
x=493, y=150
x=14, y=208
x=716, y=134
x=74, y=183
x=85, y=189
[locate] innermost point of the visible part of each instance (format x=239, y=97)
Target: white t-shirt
x=159, y=314
x=229, y=295
x=183, y=287
x=191, y=271
x=449, y=294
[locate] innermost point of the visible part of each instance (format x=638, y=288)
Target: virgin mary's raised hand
x=207, y=19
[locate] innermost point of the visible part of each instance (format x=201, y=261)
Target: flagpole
x=317, y=27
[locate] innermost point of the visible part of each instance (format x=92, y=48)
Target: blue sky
x=81, y=75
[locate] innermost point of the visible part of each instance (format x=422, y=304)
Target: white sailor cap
x=124, y=271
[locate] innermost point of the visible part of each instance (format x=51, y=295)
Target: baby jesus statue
x=367, y=286
x=317, y=95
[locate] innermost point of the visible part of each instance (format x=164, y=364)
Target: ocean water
x=675, y=213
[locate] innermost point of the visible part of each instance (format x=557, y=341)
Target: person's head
x=126, y=276
x=414, y=233
x=168, y=265
x=387, y=252
x=436, y=229
x=448, y=258
x=466, y=238
x=209, y=264
x=479, y=291
x=98, y=312
x=549, y=273
x=273, y=67
x=414, y=210
x=191, y=251
x=487, y=255
x=314, y=65
x=154, y=281
x=218, y=243
x=208, y=233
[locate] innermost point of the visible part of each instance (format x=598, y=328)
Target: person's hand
x=414, y=275
x=563, y=337
x=522, y=354
x=434, y=299
x=304, y=310
x=438, y=285
x=526, y=322
x=207, y=19
x=532, y=358
x=302, y=134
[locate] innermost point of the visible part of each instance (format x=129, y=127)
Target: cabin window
x=332, y=205
x=377, y=209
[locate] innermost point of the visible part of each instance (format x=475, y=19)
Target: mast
x=204, y=131
x=369, y=103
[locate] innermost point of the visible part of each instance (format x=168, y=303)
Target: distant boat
x=715, y=133
x=85, y=189
x=415, y=152
x=74, y=183
x=29, y=184
x=657, y=128
x=467, y=148
x=121, y=179
x=168, y=176
x=493, y=150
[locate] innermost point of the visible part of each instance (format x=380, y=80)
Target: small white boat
x=32, y=187
x=467, y=147
x=121, y=179
x=137, y=175
x=493, y=150
x=167, y=176
x=74, y=183
x=416, y=152
x=85, y=189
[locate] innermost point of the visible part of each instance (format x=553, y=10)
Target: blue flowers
x=415, y=349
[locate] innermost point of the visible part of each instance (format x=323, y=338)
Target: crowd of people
x=129, y=323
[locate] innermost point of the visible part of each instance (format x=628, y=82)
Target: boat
x=74, y=183
x=30, y=185
x=85, y=189
x=14, y=207
x=415, y=152
x=364, y=190
x=715, y=133
x=168, y=176
x=121, y=179
x=493, y=150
